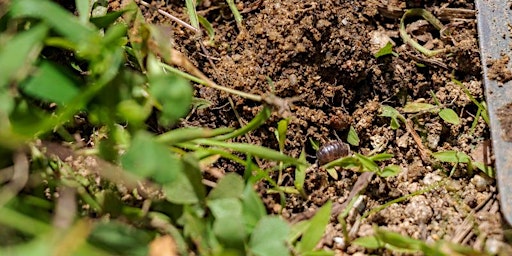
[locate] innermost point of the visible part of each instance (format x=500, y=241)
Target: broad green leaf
x=229, y=223
x=148, y=158
x=394, y=123
x=181, y=191
x=174, y=94
x=415, y=107
x=133, y=112
x=451, y=156
x=449, y=116
x=316, y=230
x=390, y=171
x=352, y=137
x=269, y=236
x=120, y=239
x=386, y=50
x=49, y=83
x=297, y=230
x=18, y=54
x=59, y=19
x=253, y=207
x=194, y=226
x=388, y=111
x=230, y=186
x=370, y=242
x=186, y=188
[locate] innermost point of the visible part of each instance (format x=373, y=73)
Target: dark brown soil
x=322, y=53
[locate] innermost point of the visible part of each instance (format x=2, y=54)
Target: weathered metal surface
x=494, y=22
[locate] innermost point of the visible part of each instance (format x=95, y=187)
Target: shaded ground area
x=321, y=54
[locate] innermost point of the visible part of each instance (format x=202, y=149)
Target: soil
x=321, y=55
x=499, y=71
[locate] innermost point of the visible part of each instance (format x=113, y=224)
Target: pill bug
x=332, y=151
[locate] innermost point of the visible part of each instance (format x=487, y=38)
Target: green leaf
x=381, y=157
x=253, y=208
x=254, y=150
x=449, y=116
x=6, y=107
x=352, y=137
x=451, y=156
x=120, y=239
x=148, y=158
x=297, y=230
x=370, y=242
x=18, y=54
x=333, y=173
x=208, y=26
x=49, y=83
x=282, y=127
x=187, y=187
x=300, y=174
x=181, y=191
x=367, y=163
x=229, y=223
x=192, y=14
x=230, y=186
x=485, y=169
x=345, y=162
x=388, y=111
x=398, y=240
x=59, y=19
x=107, y=19
x=236, y=13
x=415, y=107
x=316, y=230
x=269, y=236
x=185, y=134
x=84, y=10
x=390, y=171
x=386, y=50
x=132, y=112
x=175, y=95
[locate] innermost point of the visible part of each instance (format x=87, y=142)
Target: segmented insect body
x=332, y=151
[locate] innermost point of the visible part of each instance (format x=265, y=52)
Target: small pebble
x=481, y=183
x=431, y=178
x=339, y=241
